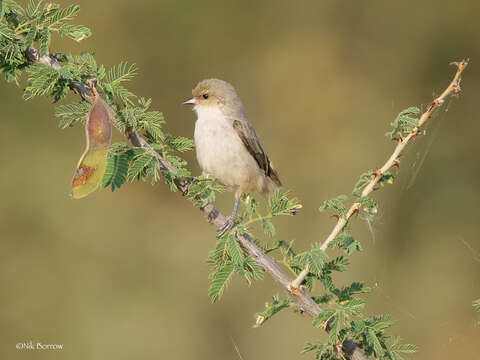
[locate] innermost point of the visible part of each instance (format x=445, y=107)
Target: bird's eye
x=205, y=96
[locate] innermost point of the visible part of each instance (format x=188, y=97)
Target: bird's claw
x=226, y=227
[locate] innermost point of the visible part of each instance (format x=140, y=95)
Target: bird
x=227, y=145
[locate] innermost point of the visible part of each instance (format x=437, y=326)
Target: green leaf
x=336, y=204
x=347, y=242
x=152, y=122
x=268, y=227
x=202, y=190
x=234, y=250
x=116, y=76
x=338, y=264
x=75, y=32
x=315, y=259
x=323, y=317
x=30, y=37
x=120, y=73
x=83, y=66
x=323, y=299
x=322, y=351
x=139, y=163
x=373, y=341
x=220, y=280
x=118, y=161
x=71, y=113
x=57, y=16
x=218, y=256
x=365, y=178
x=404, y=123
x=334, y=326
x=41, y=80
x=279, y=204
x=347, y=292
x=407, y=348
x=33, y=8
x=353, y=306
x=252, y=271
x=6, y=32
x=11, y=6
x=386, y=178
x=271, y=309
x=179, y=143
x=402, y=349
x=476, y=305
x=380, y=323
x=45, y=38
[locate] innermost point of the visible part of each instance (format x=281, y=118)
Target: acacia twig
x=295, y=284
x=453, y=88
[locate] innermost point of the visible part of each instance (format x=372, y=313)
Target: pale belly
x=220, y=152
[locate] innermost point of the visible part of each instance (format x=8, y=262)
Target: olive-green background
x=124, y=276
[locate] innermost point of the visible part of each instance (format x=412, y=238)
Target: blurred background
x=123, y=275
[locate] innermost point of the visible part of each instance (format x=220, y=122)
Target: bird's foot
x=227, y=226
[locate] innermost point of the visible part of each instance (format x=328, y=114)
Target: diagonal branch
x=453, y=88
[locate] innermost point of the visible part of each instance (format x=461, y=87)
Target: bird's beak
x=190, y=102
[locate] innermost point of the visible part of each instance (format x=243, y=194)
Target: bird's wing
x=249, y=137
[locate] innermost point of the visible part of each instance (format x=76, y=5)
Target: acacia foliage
x=343, y=306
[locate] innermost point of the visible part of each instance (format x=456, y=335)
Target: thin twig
x=295, y=284
x=453, y=88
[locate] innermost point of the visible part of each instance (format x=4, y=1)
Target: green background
x=124, y=276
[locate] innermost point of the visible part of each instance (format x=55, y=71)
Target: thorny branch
x=453, y=88
x=215, y=217
x=393, y=160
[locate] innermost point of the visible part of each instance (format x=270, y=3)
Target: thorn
x=335, y=216
x=357, y=210
x=396, y=163
x=259, y=321
x=460, y=64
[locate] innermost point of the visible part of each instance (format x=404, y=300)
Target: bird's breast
x=220, y=151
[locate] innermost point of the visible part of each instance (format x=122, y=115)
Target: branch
x=453, y=88
x=213, y=215
x=295, y=284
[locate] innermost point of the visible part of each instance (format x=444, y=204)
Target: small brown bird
x=227, y=145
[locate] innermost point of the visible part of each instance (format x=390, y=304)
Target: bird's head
x=213, y=92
